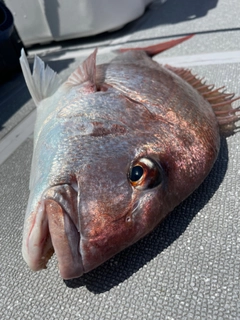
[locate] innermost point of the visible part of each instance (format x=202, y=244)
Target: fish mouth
x=50, y=230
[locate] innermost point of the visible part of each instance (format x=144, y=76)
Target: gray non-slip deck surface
x=189, y=267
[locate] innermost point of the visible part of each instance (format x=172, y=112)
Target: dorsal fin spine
x=86, y=72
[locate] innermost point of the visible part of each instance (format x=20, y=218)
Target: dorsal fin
x=160, y=47
x=220, y=101
x=86, y=72
x=43, y=82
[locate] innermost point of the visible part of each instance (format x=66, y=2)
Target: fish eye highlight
x=145, y=174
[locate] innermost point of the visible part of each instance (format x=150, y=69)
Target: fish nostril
x=102, y=88
x=128, y=219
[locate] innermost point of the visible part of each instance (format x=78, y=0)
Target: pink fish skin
x=116, y=148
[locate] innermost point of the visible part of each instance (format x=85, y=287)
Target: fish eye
x=136, y=173
x=145, y=174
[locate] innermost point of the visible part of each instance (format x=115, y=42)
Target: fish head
x=99, y=208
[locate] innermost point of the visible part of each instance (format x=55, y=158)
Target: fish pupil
x=136, y=173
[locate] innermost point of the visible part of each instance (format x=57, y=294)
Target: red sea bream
x=116, y=148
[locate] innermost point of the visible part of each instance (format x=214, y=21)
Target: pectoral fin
x=43, y=82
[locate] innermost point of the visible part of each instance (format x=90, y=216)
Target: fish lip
x=65, y=239
x=37, y=247
x=50, y=229
x=61, y=206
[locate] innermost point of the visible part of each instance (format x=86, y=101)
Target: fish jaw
x=53, y=227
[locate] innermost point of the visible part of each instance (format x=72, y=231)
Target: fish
x=117, y=146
